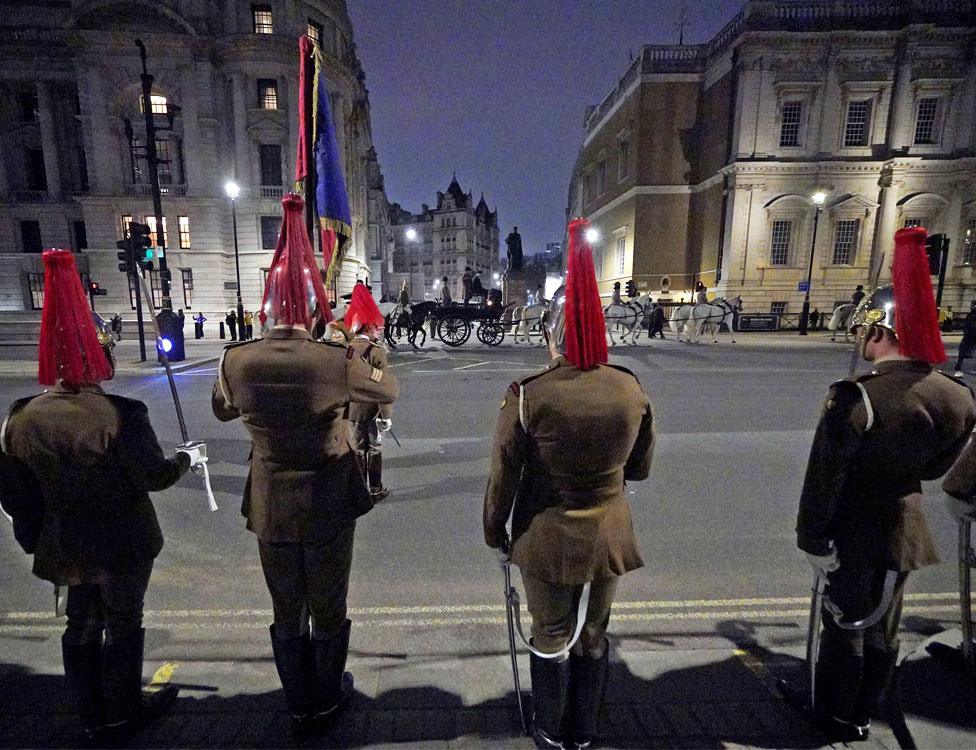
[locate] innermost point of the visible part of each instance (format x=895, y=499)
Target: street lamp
x=233, y=190
x=495, y=277
x=818, y=199
x=592, y=235
x=412, y=234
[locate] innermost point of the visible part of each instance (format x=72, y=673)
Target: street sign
x=803, y=286
x=759, y=322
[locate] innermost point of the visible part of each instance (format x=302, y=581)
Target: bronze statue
x=514, y=243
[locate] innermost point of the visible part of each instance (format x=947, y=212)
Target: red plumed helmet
x=362, y=310
x=915, y=313
x=294, y=283
x=586, y=338
x=69, y=349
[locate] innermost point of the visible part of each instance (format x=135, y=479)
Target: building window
x=184, y=227
x=270, y=225
x=601, y=177
x=623, y=159
x=587, y=188
x=262, y=19
x=155, y=288
x=30, y=236
x=621, y=256
x=187, y=275
x=916, y=221
x=36, y=176
x=789, y=130
x=315, y=32
x=969, y=243
x=125, y=221
x=157, y=104
x=926, y=119
x=35, y=285
x=267, y=93
x=845, y=238
x=151, y=223
x=779, y=246
x=270, y=154
x=81, y=236
x=858, y=123
x=164, y=161
x=778, y=308
x=28, y=107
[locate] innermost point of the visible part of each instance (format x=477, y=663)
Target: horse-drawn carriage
x=452, y=323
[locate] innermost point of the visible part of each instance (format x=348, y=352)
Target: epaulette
x=622, y=369
x=848, y=393
x=525, y=381
x=331, y=343
x=957, y=381
x=515, y=388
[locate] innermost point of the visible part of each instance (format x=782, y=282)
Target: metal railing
x=174, y=191
x=272, y=191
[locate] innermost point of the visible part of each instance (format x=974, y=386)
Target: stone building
x=72, y=163
x=701, y=163
x=442, y=241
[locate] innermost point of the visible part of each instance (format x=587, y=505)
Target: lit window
x=789, y=131
x=844, y=241
x=858, y=122
x=151, y=223
x=157, y=104
x=267, y=93
x=779, y=245
x=926, y=118
x=916, y=221
x=262, y=19
x=315, y=32
x=778, y=308
x=126, y=220
x=184, y=222
x=621, y=255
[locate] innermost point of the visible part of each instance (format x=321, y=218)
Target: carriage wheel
x=453, y=330
x=491, y=334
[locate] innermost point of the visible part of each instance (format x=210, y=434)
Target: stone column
x=831, y=109
x=884, y=238
x=242, y=145
x=4, y=184
x=899, y=134
x=747, y=107
x=193, y=176
x=966, y=101
x=102, y=159
x=49, y=141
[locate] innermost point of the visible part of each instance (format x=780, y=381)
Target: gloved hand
x=197, y=453
x=384, y=425
x=504, y=552
x=824, y=563
x=960, y=509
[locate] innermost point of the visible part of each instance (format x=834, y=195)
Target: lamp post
x=233, y=190
x=818, y=199
x=412, y=237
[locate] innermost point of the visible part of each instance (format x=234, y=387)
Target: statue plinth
x=514, y=288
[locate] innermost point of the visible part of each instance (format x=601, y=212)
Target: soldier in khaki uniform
x=368, y=420
x=861, y=511
x=305, y=488
x=96, y=459
x=565, y=443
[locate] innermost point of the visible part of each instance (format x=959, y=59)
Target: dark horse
x=412, y=321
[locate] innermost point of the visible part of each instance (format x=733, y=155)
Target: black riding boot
x=293, y=659
x=879, y=675
x=83, y=672
x=550, y=684
x=587, y=684
x=333, y=686
x=374, y=471
x=127, y=708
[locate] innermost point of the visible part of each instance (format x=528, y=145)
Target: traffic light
x=631, y=288
x=126, y=261
x=95, y=289
x=142, y=245
x=936, y=245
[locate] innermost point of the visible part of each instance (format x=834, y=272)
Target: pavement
x=699, y=635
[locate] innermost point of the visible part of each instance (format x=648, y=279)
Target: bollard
x=222, y=330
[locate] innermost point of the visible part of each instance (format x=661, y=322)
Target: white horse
x=840, y=320
x=711, y=317
x=524, y=321
x=680, y=321
x=629, y=316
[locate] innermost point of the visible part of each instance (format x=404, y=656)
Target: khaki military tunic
x=879, y=437
x=960, y=482
x=565, y=442
x=305, y=480
x=375, y=354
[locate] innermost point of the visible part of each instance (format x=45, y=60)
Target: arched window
x=157, y=102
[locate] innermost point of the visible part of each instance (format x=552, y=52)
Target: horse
x=841, y=319
x=411, y=317
x=525, y=319
x=629, y=316
x=720, y=310
x=680, y=321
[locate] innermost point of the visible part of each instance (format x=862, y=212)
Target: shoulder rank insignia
x=375, y=374
x=350, y=352
x=514, y=388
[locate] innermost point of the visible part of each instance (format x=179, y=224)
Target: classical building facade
x=72, y=136
x=702, y=161
x=441, y=241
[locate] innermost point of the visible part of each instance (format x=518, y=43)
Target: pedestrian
x=445, y=294
x=198, y=322
x=968, y=342
x=231, y=321
x=657, y=321
x=858, y=294
x=814, y=319
x=701, y=294
x=369, y=421
x=566, y=441
x=466, y=284
x=248, y=325
x=182, y=318
x=477, y=288
x=540, y=297
x=95, y=458
x=861, y=506
x=305, y=488
x=117, y=326
x=945, y=318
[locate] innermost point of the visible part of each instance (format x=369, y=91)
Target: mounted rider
x=565, y=443
x=615, y=296
x=701, y=294
x=860, y=517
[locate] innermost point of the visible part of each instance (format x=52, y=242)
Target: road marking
x=417, y=362
x=498, y=369
x=473, y=364
x=751, y=661
x=162, y=676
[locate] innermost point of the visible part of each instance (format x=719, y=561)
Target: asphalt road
x=715, y=519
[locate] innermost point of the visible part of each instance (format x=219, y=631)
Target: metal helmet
x=554, y=321
x=876, y=309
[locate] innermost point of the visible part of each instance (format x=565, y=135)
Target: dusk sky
x=497, y=90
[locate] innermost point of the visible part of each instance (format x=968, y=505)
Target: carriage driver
x=566, y=441
x=860, y=512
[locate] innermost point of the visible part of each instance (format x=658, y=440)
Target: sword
x=172, y=387
x=512, y=602
x=393, y=435
x=872, y=285
x=813, y=632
